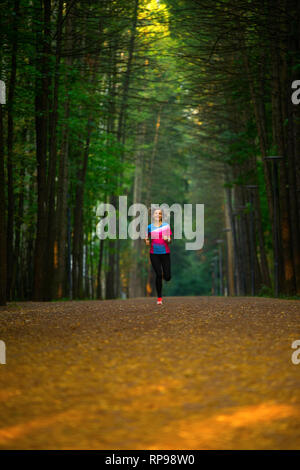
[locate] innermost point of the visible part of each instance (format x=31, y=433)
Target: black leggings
x=159, y=261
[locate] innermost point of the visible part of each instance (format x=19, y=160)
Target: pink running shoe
x=159, y=301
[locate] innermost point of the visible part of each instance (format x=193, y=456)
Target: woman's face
x=157, y=215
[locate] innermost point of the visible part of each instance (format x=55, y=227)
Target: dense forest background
x=170, y=101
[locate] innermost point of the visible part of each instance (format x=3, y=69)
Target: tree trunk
x=78, y=220
x=110, y=288
x=229, y=245
x=41, y=124
x=10, y=165
x=121, y=131
x=63, y=179
x=3, y=260
x=18, y=225
x=53, y=118
x=99, y=278
x=286, y=267
x=136, y=288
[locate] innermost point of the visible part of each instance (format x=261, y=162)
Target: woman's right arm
x=147, y=241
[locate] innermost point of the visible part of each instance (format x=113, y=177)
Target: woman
x=160, y=235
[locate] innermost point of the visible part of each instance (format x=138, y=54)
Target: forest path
x=194, y=373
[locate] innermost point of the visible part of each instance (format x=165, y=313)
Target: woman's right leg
x=156, y=263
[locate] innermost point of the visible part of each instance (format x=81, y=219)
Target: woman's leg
x=156, y=263
x=166, y=265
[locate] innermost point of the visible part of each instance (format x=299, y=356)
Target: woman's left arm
x=167, y=238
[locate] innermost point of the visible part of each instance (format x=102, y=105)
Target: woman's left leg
x=166, y=265
x=156, y=264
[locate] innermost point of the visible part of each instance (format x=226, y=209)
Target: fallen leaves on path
x=196, y=372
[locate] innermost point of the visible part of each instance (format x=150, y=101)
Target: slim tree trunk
x=91, y=266
x=3, y=260
x=53, y=118
x=110, y=287
x=229, y=244
x=286, y=267
x=41, y=124
x=99, y=278
x=10, y=165
x=121, y=131
x=78, y=220
x=135, y=278
x=29, y=273
x=63, y=179
x=18, y=225
x=289, y=74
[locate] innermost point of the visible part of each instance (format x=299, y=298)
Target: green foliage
x=177, y=83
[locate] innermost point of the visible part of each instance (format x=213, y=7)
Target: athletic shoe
x=159, y=301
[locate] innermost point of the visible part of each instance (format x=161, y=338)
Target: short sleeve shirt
x=157, y=234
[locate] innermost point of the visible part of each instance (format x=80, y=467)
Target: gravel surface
x=194, y=373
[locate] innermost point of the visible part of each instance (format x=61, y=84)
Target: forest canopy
x=164, y=101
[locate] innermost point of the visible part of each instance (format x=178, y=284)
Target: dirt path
x=195, y=373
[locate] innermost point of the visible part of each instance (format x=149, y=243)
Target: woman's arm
x=167, y=238
x=147, y=241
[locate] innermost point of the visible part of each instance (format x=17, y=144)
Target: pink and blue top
x=157, y=234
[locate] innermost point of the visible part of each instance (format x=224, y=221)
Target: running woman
x=160, y=235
